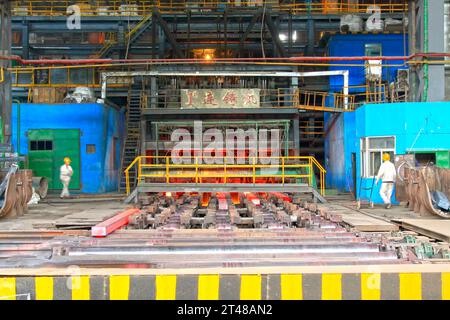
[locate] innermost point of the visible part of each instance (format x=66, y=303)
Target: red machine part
x=110, y=225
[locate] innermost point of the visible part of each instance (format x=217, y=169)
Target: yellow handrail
x=2, y=75
x=145, y=7
x=162, y=168
x=127, y=177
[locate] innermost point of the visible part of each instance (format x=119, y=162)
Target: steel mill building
x=225, y=150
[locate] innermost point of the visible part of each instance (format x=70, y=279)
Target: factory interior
x=225, y=150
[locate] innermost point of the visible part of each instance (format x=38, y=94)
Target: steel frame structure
x=426, y=27
x=177, y=33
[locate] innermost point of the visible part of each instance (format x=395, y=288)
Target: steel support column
x=5, y=86
x=25, y=41
x=296, y=135
x=310, y=30
x=426, y=30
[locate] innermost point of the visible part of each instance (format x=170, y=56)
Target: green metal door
x=443, y=159
x=46, y=151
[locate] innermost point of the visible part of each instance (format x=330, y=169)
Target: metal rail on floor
x=291, y=170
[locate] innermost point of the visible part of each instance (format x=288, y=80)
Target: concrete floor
x=43, y=215
x=400, y=211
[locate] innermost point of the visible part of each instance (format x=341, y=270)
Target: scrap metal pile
x=427, y=190
x=16, y=185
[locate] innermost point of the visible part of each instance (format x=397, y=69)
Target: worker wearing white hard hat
x=387, y=175
x=65, y=174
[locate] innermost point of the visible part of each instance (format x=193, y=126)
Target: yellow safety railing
x=312, y=127
x=282, y=170
x=145, y=7
x=67, y=77
x=2, y=75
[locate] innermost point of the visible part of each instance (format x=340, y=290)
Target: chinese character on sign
x=190, y=97
x=230, y=98
x=209, y=98
x=249, y=99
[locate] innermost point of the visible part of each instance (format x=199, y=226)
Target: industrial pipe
x=425, y=44
x=294, y=59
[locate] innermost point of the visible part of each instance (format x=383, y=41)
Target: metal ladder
x=132, y=142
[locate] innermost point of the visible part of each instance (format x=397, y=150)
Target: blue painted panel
x=334, y=149
x=352, y=45
x=340, y=142
x=98, y=123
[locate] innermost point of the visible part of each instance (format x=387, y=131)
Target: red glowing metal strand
x=222, y=199
x=206, y=196
x=235, y=197
x=282, y=196
x=110, y=225
x=253, y=198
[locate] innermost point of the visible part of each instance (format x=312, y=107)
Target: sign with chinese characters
x=220, y=98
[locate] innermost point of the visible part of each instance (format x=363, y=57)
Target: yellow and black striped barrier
x=306, y=286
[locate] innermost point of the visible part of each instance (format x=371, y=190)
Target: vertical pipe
x=425, y=44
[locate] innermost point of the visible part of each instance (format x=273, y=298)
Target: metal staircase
x=131, y=37
x=132, y=143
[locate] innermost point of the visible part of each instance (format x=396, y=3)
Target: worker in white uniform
x=387, y=174
x=65, y=173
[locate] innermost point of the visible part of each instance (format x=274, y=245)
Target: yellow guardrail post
x=167, y=170
x=139, y=173
x=127, y=178
x=127, y=182
x=225, y=170
x=310, y=171
x=196, y=169
x=282, y=170
x=254, y=169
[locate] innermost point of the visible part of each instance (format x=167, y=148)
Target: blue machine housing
x=99, y=125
